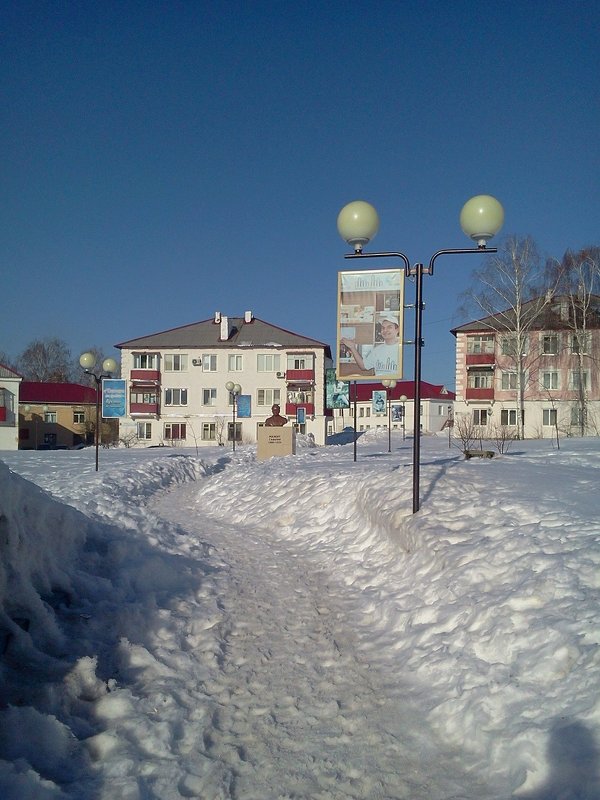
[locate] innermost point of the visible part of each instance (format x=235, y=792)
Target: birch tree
x=510, y=290
x=46, y=360
x=577, y=277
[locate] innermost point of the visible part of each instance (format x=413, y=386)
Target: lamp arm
x=458, y=251
x=383, y=255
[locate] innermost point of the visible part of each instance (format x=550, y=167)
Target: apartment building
x=541, y=371
x=176, y=382
x=9, y=403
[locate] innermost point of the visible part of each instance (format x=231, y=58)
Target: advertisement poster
x=301, y=416
x=370, y=324
x=397, y=413
x=379, y=402
x=114, y=398
x=337, y=393
x=243, y=406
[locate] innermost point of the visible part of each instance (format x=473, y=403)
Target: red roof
x=429, y=391
x=68, y=393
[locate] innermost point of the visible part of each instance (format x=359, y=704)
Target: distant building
x=176, y=382
x=56, y=415
x=9, y=403
x=436, y=408
x=553, y=377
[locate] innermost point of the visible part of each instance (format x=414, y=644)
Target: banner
x=379, y=402
x=370, y=324
x=337, y=393
x=114, y=398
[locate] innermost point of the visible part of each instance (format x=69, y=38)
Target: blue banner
x=114, y=398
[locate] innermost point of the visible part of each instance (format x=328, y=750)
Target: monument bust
x=276, y=421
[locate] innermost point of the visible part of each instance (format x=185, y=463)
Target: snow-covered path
x=301, y=704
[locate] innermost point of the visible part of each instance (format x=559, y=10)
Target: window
x=175, y=363
x=579, y=380
x=234, y=363
x=510, y=346
x=209, y=431
x=480, y=344
x=138, y=396
x=175, y=430
x=209, y=363
x=577, y=416
x=580, y=343
x=50, y=416
x=305, y=361
x=480, y=379
x=209, y=397
x=268, y=397
x=509, y=380
x=145, y=360
x=78, y=417
x=268, y=363
x=480, y=416
x=238, y=431
x=176, y=397
x=550, y=344
x=550, y=379
x=144, y=430
x=549, y=417
x=508, y=416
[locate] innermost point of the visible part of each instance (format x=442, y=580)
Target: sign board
x=379, y=402
x=244, y=406
x=114, y=398
x=337, y=393
x=301, y=416
x=275, y=441
x=370, y=324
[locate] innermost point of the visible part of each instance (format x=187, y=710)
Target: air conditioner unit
x=196, y=362
x=281, y=374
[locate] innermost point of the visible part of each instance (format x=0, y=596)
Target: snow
x=183, y=625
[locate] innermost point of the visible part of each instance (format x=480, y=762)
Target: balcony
x=144, y=409
x=2, y=413
x=483, y=359
x=145, y=375
x=291, y=408
x=293, y=375
x=479, y=394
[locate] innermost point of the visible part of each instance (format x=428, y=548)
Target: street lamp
x=88, y=362
x=234, y=390
x=480, y=218
x=403, y=399
x=27, y=409
x=389, y=384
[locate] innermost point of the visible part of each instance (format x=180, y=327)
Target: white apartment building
x=9, y=404
x=176, y=382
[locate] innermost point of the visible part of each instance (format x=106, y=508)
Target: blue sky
x=165, y=160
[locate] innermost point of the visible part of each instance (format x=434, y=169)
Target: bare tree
x=577, y=278
x=46, y=360
x=510, y=291
x=7, y=361
x=466, y=432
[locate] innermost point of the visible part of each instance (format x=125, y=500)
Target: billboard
x=337, y=393
x=114, y=398
x=379, y=402
x=370, y=324
x=244, y=406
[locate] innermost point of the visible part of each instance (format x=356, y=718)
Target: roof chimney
x=217, y=317
x=247, y=317
x=224, y=328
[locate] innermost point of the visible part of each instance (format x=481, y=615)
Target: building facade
x=373, y=410
x=56, y=415
x=10, y=382
x=176, y=382
x=544, y=374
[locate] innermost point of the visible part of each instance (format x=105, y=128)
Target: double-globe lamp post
x=389, y=384
x=235, y=391
x=358, y=222
x=109, y=365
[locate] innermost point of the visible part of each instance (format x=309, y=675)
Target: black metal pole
x=417, y=410
x=355, y=412
x=390, y=422
x=98, y=385
x=233, y=425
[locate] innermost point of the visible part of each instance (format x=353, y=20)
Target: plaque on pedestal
x=275, y=441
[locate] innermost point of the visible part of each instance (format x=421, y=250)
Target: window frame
x=211, y=394
x=175, y=362
x=180, y=393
